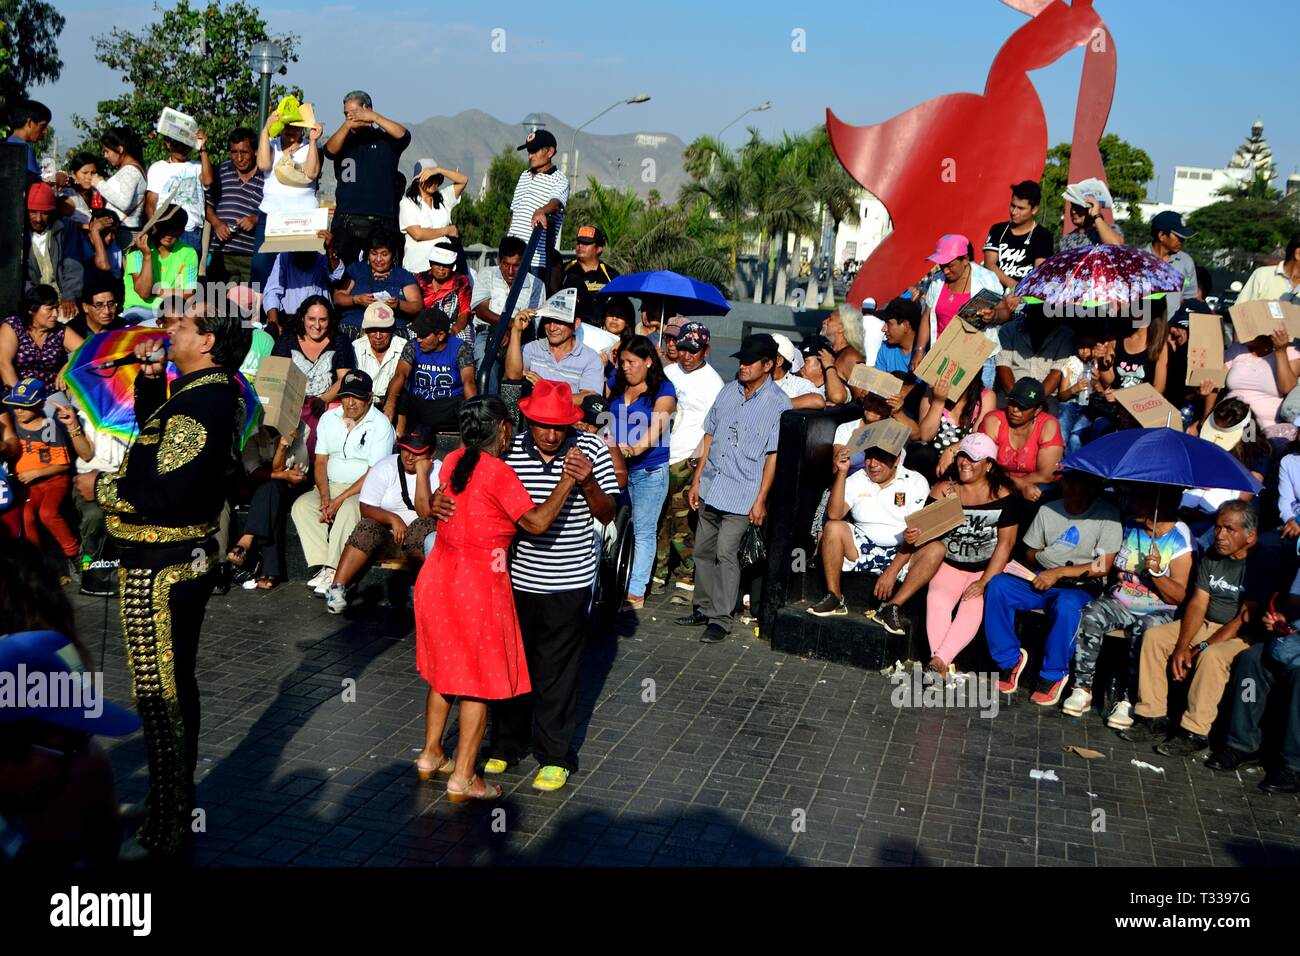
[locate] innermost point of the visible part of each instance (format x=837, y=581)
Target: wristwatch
x=1203, y=645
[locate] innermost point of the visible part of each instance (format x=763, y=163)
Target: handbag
x=99, y=574
x=752, y=548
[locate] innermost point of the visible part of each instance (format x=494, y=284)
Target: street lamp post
x=765, y=105
x=639, y=98
x=265, y=59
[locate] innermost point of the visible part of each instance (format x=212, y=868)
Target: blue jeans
x=1074, y=424
x=647, y=488
x=1007, y=594
x=194, y=237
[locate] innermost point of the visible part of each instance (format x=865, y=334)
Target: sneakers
x=1183, y=744
x=550, y=779
x=658, y=586
x=1121, y=716
x=1009, y=681
x=890, y=617
x=326, y=581
x=1079, y=702
x=1229, y=759
x=1146, y=729
x=1047, y=692
x=686, y=585
x=336, y=598
x=828, y=606
x=694, y=619
x=321, y=580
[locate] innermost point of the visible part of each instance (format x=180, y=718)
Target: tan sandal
x=425, y=772
x=464, y=795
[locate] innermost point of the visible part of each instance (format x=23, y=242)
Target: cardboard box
x=888, y=434
x=937, y=518
x=295, y=232
x=1149, y=407
x=1253, y=319
x=1205, y=351
x=875, y=381
x=281, y=386
x=958, y=357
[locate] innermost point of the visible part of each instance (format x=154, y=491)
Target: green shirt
x=180, y=270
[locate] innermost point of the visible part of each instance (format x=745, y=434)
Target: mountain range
x=469, y=140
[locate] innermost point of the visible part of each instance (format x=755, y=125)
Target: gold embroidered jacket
x=175, y=477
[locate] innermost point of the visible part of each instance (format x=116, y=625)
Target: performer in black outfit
x=162, y=509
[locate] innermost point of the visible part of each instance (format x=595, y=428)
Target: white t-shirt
x=873, y=336
x=163, y=176
x=881, y=513
x=696, y=392
x=412, y=212
x=276, y=196
x=796, y=386
x=123, y=193
x=353, y=453
x=380, y=489
x=490, y=287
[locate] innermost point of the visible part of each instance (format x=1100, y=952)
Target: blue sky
x=1190, y=80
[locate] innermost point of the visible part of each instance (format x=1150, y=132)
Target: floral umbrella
x=1098, y=277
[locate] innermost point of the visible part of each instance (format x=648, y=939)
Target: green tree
x=194, y=60
x=1128, y=170
x=718, y=180
x=486, y=219
x=1235, y=233
x=615, y=211
x=1260, y=186
x=29, y=55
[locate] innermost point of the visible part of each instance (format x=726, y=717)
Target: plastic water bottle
x=1083, y=396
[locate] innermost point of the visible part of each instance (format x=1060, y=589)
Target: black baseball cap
x=1027, y=393
x=593, y=408
x=1170, y=221
x=590, y=235
x=417, y=440
x=814, y=344
x=430, y=321
x=357, y=384
x=754, y=348
x=538, y=139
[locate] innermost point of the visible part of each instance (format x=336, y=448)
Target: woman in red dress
x=467, y=641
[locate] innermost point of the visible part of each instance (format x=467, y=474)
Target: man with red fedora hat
x=553, y=574
x=51, y=250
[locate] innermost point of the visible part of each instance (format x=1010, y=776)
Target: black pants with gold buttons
x=162, y=605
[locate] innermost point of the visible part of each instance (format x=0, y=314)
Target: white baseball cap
x=441, y=255
x=787, y=350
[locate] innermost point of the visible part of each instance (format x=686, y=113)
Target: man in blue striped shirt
x=234, y=193
x=737, y=462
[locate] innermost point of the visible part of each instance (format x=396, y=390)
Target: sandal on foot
x=426, y=772
x=464, y=794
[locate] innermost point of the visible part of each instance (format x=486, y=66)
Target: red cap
x=551, y=404
x=40, y=197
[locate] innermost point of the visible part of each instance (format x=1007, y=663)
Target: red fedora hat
x=551, y=404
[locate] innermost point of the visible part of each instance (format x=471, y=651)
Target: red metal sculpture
x=947, y=165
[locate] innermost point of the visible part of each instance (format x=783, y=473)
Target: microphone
x=157, y=355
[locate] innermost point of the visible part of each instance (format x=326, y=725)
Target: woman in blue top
x=641, y=408
x=378, y=278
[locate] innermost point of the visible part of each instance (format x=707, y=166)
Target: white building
x=1196, y=187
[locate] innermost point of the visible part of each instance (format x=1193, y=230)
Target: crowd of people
x=404, y=450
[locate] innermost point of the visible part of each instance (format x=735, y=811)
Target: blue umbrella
x=1162, y=456
x=707, y=300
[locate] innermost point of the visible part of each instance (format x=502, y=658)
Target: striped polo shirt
x=532, y=192
x=745, y=432
x=233, y=199
x=582, y=368
x=564, y=557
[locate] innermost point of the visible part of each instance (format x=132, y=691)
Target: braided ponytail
x=480, y=422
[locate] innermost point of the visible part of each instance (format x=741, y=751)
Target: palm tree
x=836, y=193
x=718, y=180
x=614, y=211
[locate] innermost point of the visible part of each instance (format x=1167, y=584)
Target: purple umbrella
x=1098, y=277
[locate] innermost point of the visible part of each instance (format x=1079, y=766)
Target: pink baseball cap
x=978, y=446
x=950, y=247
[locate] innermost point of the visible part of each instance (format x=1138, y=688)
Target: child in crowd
x=44, y=464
